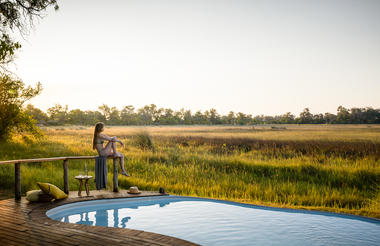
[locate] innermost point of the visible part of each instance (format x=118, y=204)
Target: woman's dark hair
x=98, y=127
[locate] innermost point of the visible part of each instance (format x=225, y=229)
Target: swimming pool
x=215, y=222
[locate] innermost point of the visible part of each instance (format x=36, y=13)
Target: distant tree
x=167, y=117
x=13, y=117
x=258, y=119
x=177, y=117
x=156, y=114
x=128, y=115
x=372, y=116
x=329, y=118
x=187, y=117
x=287, y=118
x=277, y=119
x=318, y=119
x=114, y=117
x=111, y=115
x=214, y=117
x=105, y=110
x=199, y=118
x=357, y=116
x=58, y=114
x=92, y=117
x=243, y=119
x=306, y=117
x=230, y=118
x=145, y=115
x=207, y=117
x=76, y=117
x=37, y=114
x=268, y=119
x=343, y=115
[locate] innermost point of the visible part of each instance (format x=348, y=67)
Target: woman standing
x=110, y=149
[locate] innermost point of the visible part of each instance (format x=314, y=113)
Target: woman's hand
x=114, y=139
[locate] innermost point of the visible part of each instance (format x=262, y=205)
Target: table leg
x=80, y=187
x=86, y=186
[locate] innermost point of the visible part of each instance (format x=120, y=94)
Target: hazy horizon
x=257, y=57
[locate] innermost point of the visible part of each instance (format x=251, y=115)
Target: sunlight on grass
x=333, y=168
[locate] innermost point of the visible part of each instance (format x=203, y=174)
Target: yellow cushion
x=33, y=195
x=52, y=190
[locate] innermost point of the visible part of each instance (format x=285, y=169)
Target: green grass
x=332, y=168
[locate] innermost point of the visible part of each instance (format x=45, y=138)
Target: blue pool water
x=214, y=222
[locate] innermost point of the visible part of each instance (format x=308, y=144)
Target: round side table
x=85, y=178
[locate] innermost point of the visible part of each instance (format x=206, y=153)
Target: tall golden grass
x=324, y=167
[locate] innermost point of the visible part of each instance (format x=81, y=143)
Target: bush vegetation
x=13, y=117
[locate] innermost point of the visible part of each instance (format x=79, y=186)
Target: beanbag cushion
x=52, y=190
x=45, y=197
x=33, y=195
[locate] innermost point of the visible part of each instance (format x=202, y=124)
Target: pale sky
x=257, y=57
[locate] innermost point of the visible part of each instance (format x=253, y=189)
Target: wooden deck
x=24, y=223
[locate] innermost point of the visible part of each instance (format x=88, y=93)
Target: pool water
x=214, y=222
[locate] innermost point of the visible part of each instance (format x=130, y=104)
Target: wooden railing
x=65, y=160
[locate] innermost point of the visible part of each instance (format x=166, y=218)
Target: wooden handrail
x=65, y=170
x=48, y=159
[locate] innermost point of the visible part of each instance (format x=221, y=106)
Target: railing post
x=115, y=183
x=66, y=176
x=17, y=181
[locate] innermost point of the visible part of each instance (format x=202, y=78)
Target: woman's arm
x=112, y=139
x=105, y=137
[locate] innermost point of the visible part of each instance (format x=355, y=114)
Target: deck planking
x=25, y=223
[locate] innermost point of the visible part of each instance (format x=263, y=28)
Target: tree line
x=152, y=115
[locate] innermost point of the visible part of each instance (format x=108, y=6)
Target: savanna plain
x=320, y=167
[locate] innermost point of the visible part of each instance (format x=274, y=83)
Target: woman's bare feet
x=125, y=174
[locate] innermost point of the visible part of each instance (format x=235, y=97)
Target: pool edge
x=37, y=214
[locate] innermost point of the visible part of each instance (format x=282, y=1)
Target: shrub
x=144, y=141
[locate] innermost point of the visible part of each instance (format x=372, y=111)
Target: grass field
x=325, y=167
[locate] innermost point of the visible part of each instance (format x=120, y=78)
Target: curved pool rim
x=71, y=205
